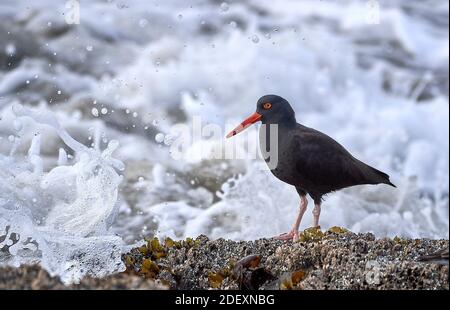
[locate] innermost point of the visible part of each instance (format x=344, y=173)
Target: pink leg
x=293, y=234
x=316, y=214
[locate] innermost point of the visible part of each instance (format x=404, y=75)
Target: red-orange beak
x=246, y=123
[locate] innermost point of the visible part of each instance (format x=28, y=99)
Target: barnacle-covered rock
x=334, y=259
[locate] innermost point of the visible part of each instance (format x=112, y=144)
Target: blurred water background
x=372, y=74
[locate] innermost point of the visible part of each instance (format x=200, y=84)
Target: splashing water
x=60, y=218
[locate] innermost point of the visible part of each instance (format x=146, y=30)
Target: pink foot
x=292, y=235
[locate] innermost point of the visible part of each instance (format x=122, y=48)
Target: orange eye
x=267, y=105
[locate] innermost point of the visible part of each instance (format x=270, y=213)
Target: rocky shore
x=333, y=259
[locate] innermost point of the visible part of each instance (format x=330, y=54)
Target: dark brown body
x=315, y=163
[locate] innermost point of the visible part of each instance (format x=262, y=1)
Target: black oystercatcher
x=308, y=159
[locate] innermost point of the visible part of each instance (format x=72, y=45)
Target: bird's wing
x=328, y=165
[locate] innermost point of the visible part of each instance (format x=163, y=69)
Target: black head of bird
x=270, y=109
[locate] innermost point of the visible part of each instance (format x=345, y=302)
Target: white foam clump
x=60, y=218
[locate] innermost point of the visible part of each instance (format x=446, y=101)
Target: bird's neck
x=285, y=122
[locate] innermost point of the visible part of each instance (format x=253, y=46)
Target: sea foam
x=60, y=218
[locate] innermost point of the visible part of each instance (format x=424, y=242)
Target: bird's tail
x=370, y=175
x=384, y=177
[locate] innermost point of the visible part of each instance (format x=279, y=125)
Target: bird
x=311, y=161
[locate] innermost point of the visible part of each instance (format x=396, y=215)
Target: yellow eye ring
x=267, y=105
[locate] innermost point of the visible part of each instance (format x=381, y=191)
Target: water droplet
x=121, y=6
x=168, y=140
x=49, y=24
x=11, y=138
x=59, y=92
x=89, y=48
x=255, y=38
x=17, y=125
x=159, y=137
x=94, y=112
x=27, y=81
x=155, y=122
x=104, y=111
x=143, y=22
x=141, y=179
x=224, y=6
x=135, y=114
x=127, y=111
x=10, y=49
x=180, y=16
x=268, y=36
x=233, y=24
